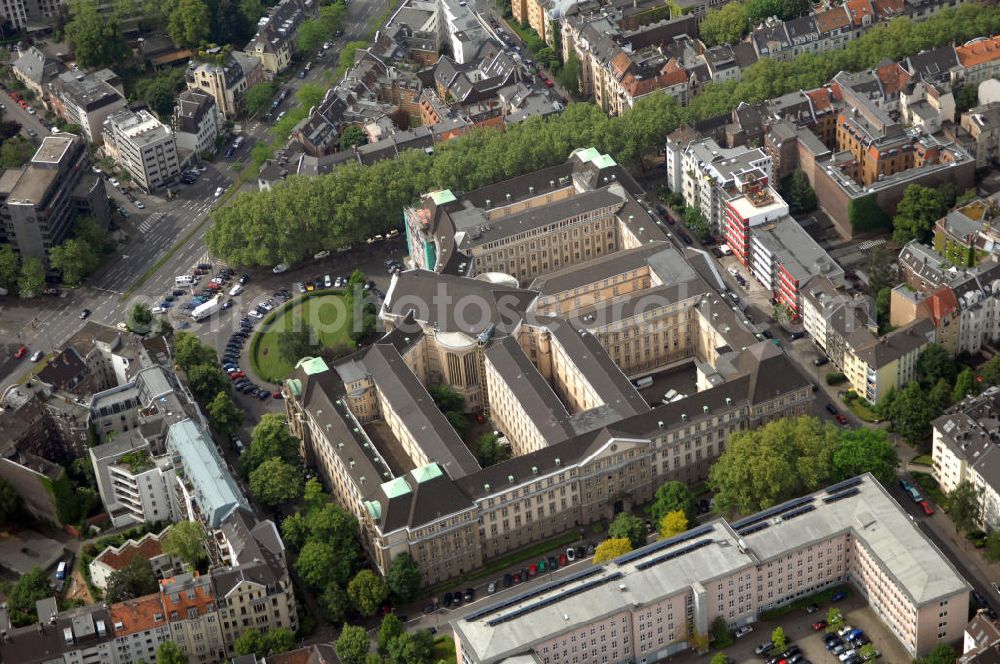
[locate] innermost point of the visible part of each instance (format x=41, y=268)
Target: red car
x=842, y=419
x=926, y=507
x=276, y=395
x=236, y=375
x=213, y=286
x=563, y=560
x=21, y=352
x=517, y=578
x=533, y=570
x=819, y=624
x=547, y=82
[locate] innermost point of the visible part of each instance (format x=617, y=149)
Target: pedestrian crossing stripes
x=150, y=222
x=871, y=244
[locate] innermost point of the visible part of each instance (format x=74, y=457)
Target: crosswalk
x=151, y=221
x=871, y=244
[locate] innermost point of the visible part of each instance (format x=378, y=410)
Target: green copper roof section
x=588, y=154
x=395, y=488
x=426, y=473
x=604, y=161
x=374, y=508
x=312, y=365
x=442, y=196
x=295, y=385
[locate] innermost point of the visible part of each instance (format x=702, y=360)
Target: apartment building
x=981, y=640
x=87, y=100
x=275, y=39
x=40, y=201
x=656, y=601
x=783, y=257
x=965, y=450
x=961, y=303
x=707, y=175
x=204, y=615
x=134, y=486
x=531, y=225
x=148, y=547
x=35, y=69
x=226, y=81
x=980, y=59
x=749, y=203
x=874, y=365
x=144, y=147
x=197, y=122
x=982, y=124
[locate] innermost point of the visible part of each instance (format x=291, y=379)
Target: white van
x=669, y=396
x=185, y=280
x=645, y=381
x=61, y=570
x=235, y=290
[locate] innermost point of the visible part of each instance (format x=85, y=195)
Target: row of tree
x=941, y=382
x=729, y=23
x=394, y=645
x=289, y=222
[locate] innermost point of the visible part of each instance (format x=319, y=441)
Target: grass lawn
x=325, y=313
x=922, y=460
x=930, y=487
x=444, y=650
x=862, y=411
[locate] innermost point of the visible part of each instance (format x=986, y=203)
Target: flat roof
x=217, y=493
x=797, y=251
x=663, y=569
x=52, y=150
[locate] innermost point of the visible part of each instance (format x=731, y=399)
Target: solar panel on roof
x=798, y=512
x=773, y=511
x=673, y=554
x=517, y=613
x=854, y=481
x=843, y=494
x=757, y=527
x=661, y=545
x=535, y=592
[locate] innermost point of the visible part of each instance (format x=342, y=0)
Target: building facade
x=144, y=147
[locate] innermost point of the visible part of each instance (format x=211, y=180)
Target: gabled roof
x=979, y=51
x=860, y=11
x=832, y=19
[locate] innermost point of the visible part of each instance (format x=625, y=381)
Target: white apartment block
x=143, y=146
x=965, y=449
x=652, y=603
x=702, y=170
x=134, y=486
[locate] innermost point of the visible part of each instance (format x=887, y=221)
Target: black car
x=177, y=292
x=830, y=409
x=820, y=361
x=508, y=580
x=797, y=335
x=470, y=594
x=767, y=334
x=447, y=599
x=686, y=239
x=553, y=563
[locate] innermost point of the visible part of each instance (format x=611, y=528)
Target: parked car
x=819, y=625
x=37, y=355
x=839, y=595
x=20, y=352
x=764, y=648
x=279, y=268
x=743, y=631
x=926, y=507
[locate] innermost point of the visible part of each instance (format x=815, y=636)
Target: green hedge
x=835, y=378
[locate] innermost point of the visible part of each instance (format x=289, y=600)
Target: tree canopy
x=367, y=590
x=403, y=578
x=793, y=456
x=189, y=23
x=673, y=523
x=725, y=25
x=670, y=497
x=184, y=540
x=630, y=527
x=270, y=439
x=611, y=548
x=919, y=208
x=134, y=580
x=96, y=39
x=275, y=482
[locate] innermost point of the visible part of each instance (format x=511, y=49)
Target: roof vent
x=531, y=190
x=684, y=417
x=510, y=478
x=660, y=424
x=704, y=409
x=729, y=401
x=486, y=487
x=558, y=461
x=621, y=587
x=534, y=470
x=487, y=202
x=508, y=198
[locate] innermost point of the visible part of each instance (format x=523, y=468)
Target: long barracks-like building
x=654, y=602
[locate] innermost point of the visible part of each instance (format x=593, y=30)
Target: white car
x=96, y=170
x=256, y=314
x=327, y=281
x=266, y=305
x=300, y=287
x=743, y=631
x=321, y=255
x=31, y=110
x=847, y=654
x=279, y=268
x=218, y=191
x=158, y=310
x=122, y=326
x=37, y=355
x=114, y=183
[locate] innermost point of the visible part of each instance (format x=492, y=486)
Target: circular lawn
x=324, y=313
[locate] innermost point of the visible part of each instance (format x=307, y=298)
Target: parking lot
x=798, y=629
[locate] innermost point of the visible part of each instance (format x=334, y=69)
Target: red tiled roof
x=671, y=74
x=886, y=9
x=203, y=600
x=893, y=77
x=832, y=19
x=148, y=547
x=621, y=63
x=138, y=615
x=820, y=98
x=942, y=303
x=976, y=53
x=859, y=9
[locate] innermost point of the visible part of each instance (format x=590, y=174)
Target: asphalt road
x=27, y=121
